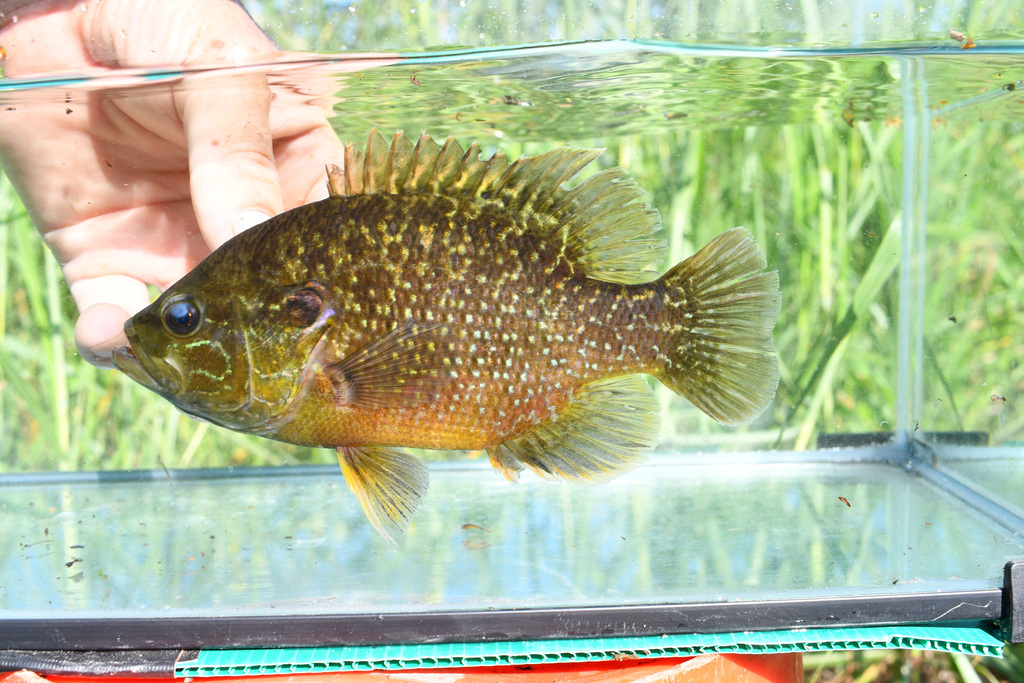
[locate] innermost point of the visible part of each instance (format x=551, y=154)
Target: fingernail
x=99, y=355
x=244, y=220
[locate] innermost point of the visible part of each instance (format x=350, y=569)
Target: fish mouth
x=159, y=375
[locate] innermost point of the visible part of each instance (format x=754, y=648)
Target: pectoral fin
x=389, y=483
x=403, y=368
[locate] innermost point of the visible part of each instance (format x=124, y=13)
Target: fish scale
x=440, y=300
x=489, y=326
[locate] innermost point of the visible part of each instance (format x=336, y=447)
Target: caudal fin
x=722, y=308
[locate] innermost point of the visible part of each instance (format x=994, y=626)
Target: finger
x=305, y=143
x=155, y=244
x=232, y=175
x=302, y=163
x=106, y=303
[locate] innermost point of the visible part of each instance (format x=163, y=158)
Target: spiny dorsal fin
x=607, y=232
x=609, y=427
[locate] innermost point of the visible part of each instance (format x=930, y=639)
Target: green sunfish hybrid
x=439, y=300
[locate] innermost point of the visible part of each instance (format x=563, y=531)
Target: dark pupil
x=181, y=317
x=303, y=307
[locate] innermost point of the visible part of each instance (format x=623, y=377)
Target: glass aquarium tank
x=875, y=151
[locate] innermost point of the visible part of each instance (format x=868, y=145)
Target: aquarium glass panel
x=874, y=154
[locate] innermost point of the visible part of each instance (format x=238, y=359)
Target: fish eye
x=181, y=316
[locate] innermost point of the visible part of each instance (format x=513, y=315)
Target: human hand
x=136, y=186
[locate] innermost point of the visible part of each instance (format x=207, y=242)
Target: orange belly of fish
x=469, y=418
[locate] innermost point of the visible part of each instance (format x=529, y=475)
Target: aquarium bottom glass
x=703, y=543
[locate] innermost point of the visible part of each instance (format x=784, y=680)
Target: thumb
x=105, y=302
x=232, y=175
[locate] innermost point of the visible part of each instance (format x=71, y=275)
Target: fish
x=440, y=300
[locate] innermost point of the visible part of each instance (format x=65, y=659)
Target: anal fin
x=389, y=482
x=608, y=427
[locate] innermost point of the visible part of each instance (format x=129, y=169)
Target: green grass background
x=807, y=154
x=822, y=197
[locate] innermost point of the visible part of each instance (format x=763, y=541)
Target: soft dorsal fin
x=607, y=232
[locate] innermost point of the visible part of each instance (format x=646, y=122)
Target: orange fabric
x=781, y=668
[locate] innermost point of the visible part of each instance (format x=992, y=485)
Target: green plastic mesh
x=966, y=639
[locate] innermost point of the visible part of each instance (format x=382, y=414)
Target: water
x=619, y=88
x=884, y=185
x=669, y=532
x=588, y=90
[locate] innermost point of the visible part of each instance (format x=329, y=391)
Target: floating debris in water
x=515, y=101
x=966, y=42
